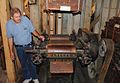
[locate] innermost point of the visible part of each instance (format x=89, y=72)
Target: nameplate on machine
x=65, y=8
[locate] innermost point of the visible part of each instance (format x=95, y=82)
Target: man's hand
x=12, y=56
x=10, y=42
x=42, y=38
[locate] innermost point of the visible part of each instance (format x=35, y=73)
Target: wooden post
x=99, y=4
x=105, y=13
x=34, y=15
x=26, y=8
x=109, y=54
x=3, y=18
x=113, y=8
x=76, y=19
x=118, y=8
x=87, y=18
x=44, y=16
x=35, y=18
x=82, y=14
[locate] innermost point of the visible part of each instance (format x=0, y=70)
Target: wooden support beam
x=82, y=14
x=26, y=8
x=96, y=23
x=107, y=61
x=118, y=8
x=52, y=23
x=113, y=8
x=34, y=15
x=44, y=17
x=87, y=18
x=105, y=13
x=76, y=21
x=4, y=8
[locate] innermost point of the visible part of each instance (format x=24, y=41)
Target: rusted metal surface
x=61, y=49
x=64, y=5
x=61, y=67
x=60, y=43
x=60, y=46
x=59, y=37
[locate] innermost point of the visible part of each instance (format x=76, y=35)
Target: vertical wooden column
x=3, y=18
x=17, y=3
x=35, y=15
x=87, y=18
x=99, y=4
x=76, y=19
x=82, y=14
x=105, y=13
x=113, y=8
x=44, y=17
x=118, y=8
x=26, y=8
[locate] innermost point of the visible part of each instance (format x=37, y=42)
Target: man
x=19, y=29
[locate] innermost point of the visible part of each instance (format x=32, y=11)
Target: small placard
x=65, y=8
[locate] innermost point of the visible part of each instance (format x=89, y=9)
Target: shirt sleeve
x=31, y=27
x=8, y=30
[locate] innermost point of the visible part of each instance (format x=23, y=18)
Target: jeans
x=28, y=68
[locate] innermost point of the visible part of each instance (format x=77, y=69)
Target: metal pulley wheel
x=106, y=47
x=102, y=48
x=36, y=59
x=92, y=70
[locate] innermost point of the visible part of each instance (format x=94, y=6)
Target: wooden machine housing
x=61, y=52
x=64, y=5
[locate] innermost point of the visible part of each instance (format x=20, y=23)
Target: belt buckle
x=28, y=45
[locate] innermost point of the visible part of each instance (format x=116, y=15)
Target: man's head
x=16, y=15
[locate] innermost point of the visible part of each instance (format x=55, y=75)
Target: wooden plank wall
x=106, y=9
x=17, y=3
x=68, y=22
x=98, y=12
x=41, y=20
x=35, y=15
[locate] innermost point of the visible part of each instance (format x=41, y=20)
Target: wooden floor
x=3, y=76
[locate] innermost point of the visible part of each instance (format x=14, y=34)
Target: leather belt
x=23, y=45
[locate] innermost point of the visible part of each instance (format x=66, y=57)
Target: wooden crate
x=64, y=5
